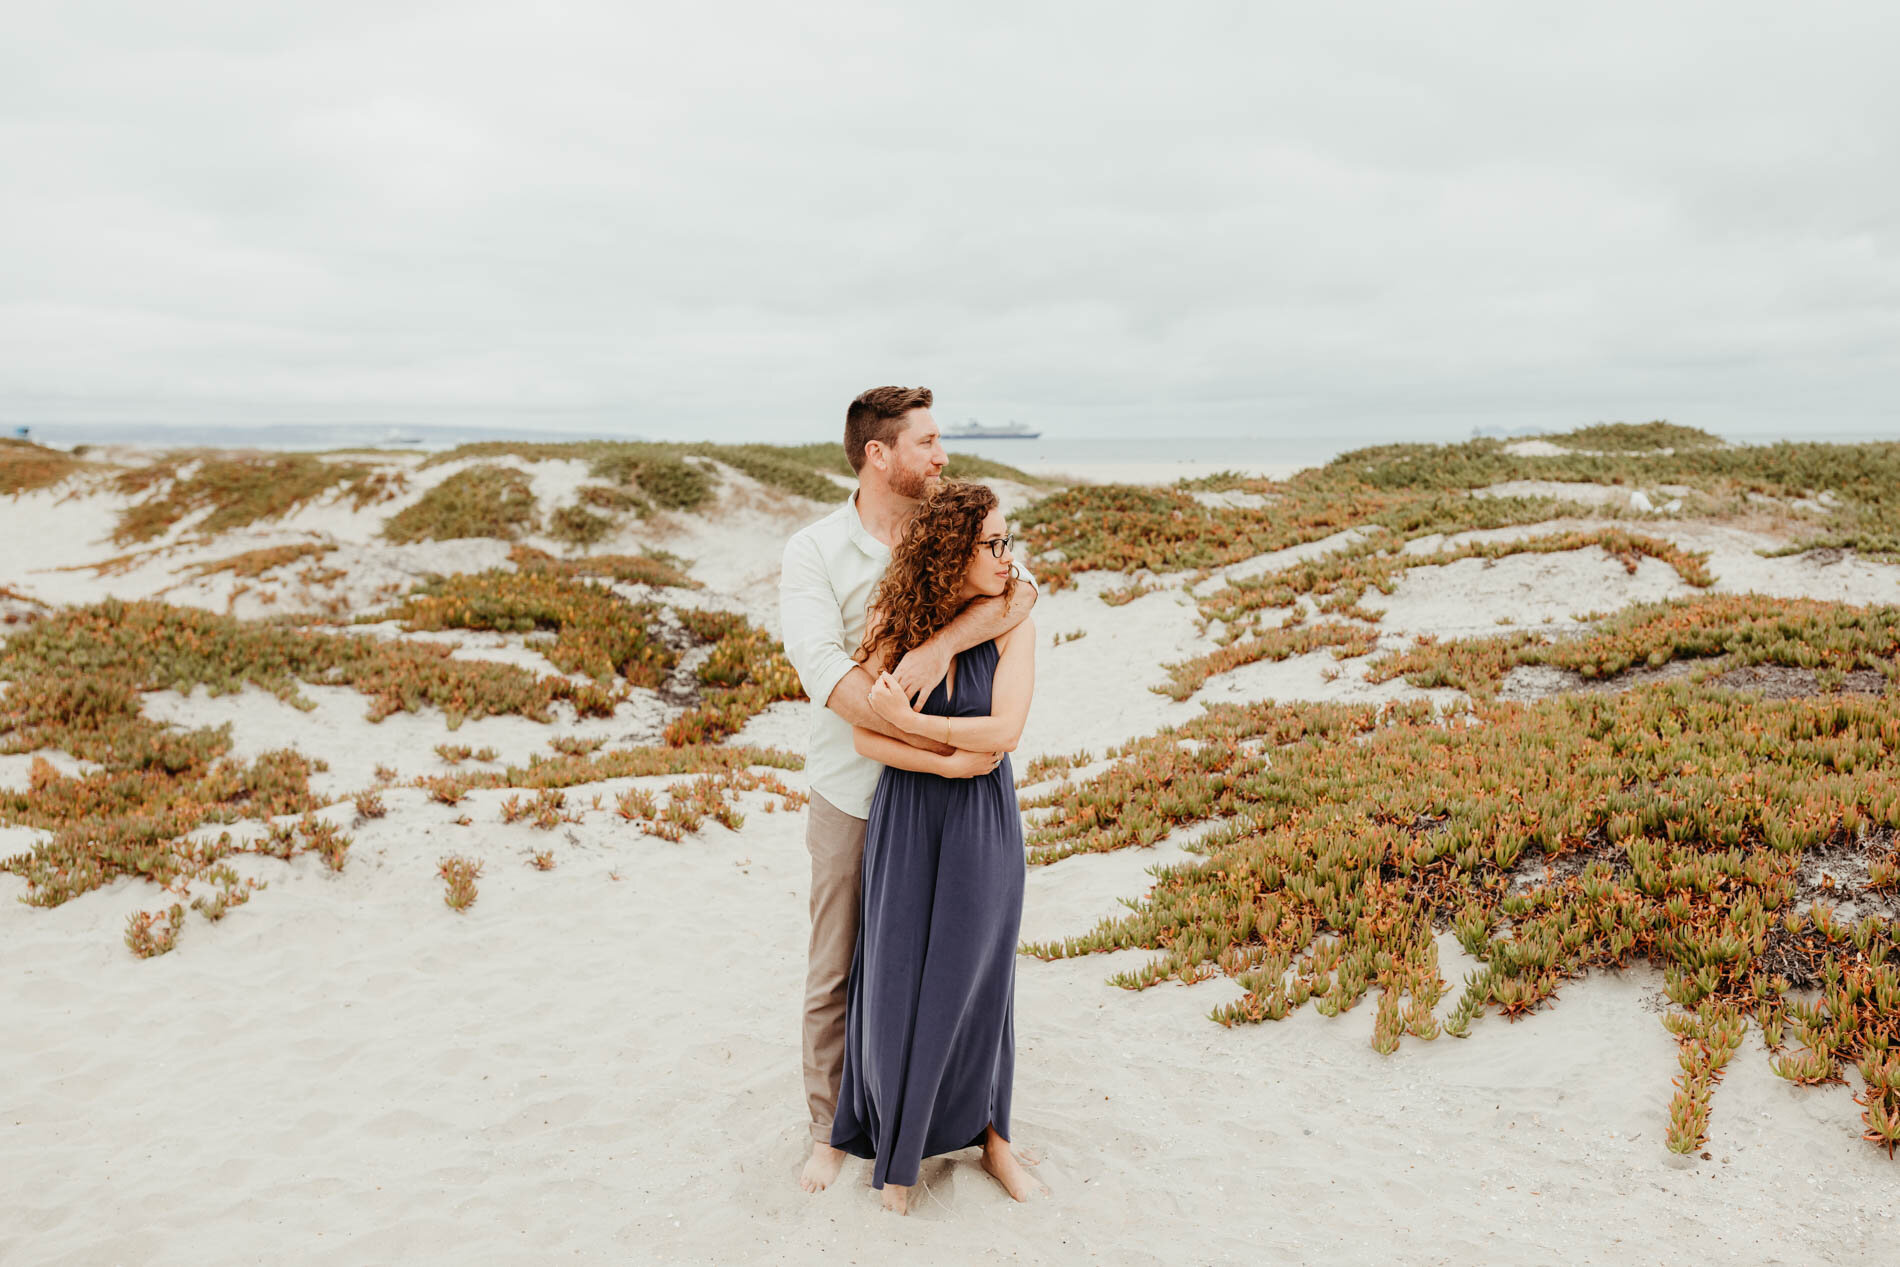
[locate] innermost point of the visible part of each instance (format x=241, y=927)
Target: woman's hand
x=970, y=765
x=889, y=702
x=922, y=668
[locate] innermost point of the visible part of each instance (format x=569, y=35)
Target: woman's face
x=987, y=573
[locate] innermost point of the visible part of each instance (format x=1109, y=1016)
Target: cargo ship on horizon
x=974, y=430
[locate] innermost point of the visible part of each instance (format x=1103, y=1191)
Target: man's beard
x=913, y=485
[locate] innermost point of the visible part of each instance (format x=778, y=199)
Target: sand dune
x=600, y=1062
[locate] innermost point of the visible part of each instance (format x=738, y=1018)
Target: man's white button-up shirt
x=825, y=584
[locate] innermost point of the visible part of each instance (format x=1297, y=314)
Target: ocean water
x=1048, y=452
x=1052, y=451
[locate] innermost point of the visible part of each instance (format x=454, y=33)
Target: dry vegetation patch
x=649, y=567
x=25, y=466
x=236, y=490
x=255, y=563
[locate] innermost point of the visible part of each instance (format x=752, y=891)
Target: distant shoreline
x=1106, y=459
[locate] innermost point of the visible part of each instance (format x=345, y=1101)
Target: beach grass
x=26, y=467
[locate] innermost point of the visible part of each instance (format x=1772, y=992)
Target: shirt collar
x=860, y=535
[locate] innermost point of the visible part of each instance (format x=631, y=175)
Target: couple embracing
x=907, y=620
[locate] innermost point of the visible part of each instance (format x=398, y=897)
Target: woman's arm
x=1010, y=692
x=895, y=752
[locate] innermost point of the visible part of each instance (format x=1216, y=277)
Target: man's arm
x=980, y=620
x=851, y=700
x=813, y=625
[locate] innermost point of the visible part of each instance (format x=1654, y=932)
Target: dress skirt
x=930, y=1040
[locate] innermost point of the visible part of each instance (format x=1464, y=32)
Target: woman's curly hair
x=922, y=590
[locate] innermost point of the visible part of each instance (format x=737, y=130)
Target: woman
x=930, y=1045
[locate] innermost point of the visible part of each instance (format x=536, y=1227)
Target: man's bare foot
x=897, y=1198
x=1002, y=1163
x=821, y=1167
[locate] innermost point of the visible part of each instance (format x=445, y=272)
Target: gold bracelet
x=946, y=734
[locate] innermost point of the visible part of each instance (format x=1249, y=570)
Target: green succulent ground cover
x=478, y=501
x=77, y=680
x=1722, y=632
x=1393, y=497
x=1674, y=824
x=592, y=630
x=219, y=491
x=663, y=473
x=1628, y=437
x=1398, y=493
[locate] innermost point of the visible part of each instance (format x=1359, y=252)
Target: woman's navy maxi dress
x=930, y=1035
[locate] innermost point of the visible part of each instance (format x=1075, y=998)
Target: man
x=830, y=569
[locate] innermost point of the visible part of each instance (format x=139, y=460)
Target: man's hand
x=889, y=701
x=922, y=668
x=970, y=765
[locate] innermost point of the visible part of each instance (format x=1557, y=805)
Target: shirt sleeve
x=811, y=620
x=1023, y=573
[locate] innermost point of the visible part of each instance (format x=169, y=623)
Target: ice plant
x=458, y=877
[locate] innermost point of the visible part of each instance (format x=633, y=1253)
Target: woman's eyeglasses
x=999, y=546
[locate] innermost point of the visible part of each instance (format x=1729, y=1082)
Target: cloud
x=728, y=219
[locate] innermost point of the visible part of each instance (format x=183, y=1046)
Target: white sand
x=600, y=1063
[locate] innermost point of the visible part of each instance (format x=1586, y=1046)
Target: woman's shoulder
x=1024, y=633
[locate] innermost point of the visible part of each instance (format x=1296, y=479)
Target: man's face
x=916, y=457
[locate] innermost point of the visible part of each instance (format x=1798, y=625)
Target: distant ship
x=974, y=430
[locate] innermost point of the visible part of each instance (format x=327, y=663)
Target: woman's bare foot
x=1001, y=1161
x=897, y=1198
x=821, y=1167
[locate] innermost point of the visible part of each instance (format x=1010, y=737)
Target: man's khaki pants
x=836, y=842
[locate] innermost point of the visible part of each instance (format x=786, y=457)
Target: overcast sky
x=724, y=220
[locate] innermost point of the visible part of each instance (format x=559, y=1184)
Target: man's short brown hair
x=878, y=414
